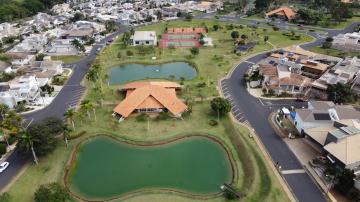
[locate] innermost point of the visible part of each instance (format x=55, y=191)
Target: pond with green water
x=132, y=72
x=106, y=168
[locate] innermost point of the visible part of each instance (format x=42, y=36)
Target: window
x=147, y=42
x=136, y=42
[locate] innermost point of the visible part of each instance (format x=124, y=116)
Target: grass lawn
x=344, y=23
x=254, y=178
x=68, y=59
x=334, y=52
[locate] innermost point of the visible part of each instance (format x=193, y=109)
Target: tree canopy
x=341, y=93
x=220, y=105
x=54, y=192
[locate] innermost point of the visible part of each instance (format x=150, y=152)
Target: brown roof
x=268, y=70
x=295, y=79
x=284, y=11
x=148, y=95
x=315, y=65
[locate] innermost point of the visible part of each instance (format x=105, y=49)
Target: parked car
x=3, y=166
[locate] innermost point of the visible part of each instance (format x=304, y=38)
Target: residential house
x=20, y=59
x=340, y=141
x=33, y=44
x=144, y=38
x=349, y=42
x=24, y=88
x=78, y=33
x=5, y=67
x=344, y=72
x=280, y=79
x=149, y=97
x=322, y=113
x=61, y=47
x=283, y=13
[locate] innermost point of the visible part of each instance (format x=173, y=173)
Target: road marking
x=236, y=110
x=249, y=62
x=296, y=171
x=261, y=102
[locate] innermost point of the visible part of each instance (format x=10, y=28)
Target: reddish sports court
x=181, y=37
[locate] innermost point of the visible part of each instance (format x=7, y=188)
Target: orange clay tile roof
x=285, y=11
x=296, y=80
x=138, y=84
x=150, y=95
x=185, y=30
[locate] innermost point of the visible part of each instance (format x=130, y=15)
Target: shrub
x=142, y=117
x=119, y=55
x=162, y=116
x=129, y=53
x=5, y=197
x=11, y=139
x=2, y=149
x=201, y=85
x=213, y=122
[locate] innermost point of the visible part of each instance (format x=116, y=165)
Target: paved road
x=254, y=111
x=69, y=96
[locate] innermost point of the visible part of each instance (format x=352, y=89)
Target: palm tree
x=70, y=114
x=28, y=141
x=86, y=105
x=92, y=76
x=66, y=131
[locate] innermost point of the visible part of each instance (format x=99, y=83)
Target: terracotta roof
x=284, y=11
x=315, y=65
x=295, y=79
x=148, y=95
x=138, y=84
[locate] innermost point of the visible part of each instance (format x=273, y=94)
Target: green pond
x=132, y=72
x=107, y=168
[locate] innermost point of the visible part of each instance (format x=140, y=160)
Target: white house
x=322, y=113
x=24, y=88
x=62, y=47
x=21, y=59
x=144, y=38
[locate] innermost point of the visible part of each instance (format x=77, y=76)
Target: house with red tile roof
x=149, y=97
x=284, y=13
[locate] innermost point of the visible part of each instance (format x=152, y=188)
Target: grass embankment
x=211, y=63
x=68, y=59
x=334, y=52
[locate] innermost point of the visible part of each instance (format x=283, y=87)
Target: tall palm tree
x=66, y=131
x=92, y=76
x=28, y=141
x=86, y=105
x=70, y=115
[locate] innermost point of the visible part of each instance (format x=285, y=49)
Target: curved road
x=245, y=108
x=254, y=111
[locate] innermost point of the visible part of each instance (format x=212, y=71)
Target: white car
x=3, y=166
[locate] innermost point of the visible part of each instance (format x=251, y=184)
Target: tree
x=79, y=46
x=188, y=17
x=40, y=57
x=26, y=143
x=47, y=88
x=53, y=192
x=86, y=105
x=70, y=115
x=41, y=137
x=266, y=38
x=262, y=4
x=110, y=26
x=92, y=76
x=220, y=105
x=78, y=16
x=235, y=35
x=345, y=181
x=216, y=27
x=5, y=197
x=341, y=93
x=194, y=51
x=66, y=131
